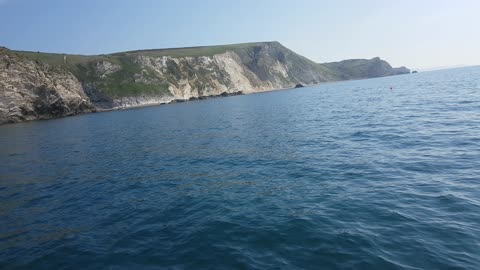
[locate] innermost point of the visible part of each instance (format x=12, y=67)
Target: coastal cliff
x=42, y=85
x=31, y=90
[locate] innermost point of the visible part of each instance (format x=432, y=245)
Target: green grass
x=190, y=51
x=74, y=59
x=57, y=59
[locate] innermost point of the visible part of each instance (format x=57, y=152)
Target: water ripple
x=338, y=176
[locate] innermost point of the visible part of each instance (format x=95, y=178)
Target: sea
x=371, y=174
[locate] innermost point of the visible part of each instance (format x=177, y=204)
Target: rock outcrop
x=32, y=90
x=40, y=85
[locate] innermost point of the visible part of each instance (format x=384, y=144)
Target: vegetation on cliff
x=158, y=76
x=128, y=77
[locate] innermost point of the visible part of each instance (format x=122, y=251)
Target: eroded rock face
x=186, y=77
x=194, y=77
x=262, y=67
x=41, y=86
x=30, y=90
x=104, y=68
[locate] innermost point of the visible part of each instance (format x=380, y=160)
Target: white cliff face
x=105, y=68
x=29, y=90
x=240, y=78
x=194, y=77
x=280, y=69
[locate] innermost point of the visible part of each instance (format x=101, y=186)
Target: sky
x=412, y=33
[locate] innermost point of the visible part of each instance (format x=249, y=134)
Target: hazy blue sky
x=413, y=33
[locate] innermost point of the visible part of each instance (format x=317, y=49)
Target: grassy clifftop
x=194, y=51
x=58, y=59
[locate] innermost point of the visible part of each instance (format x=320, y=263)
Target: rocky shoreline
x=223, y=94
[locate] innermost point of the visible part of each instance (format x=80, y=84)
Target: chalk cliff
x=42, y=85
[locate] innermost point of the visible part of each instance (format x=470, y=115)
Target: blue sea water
x=349, y=175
